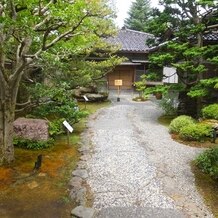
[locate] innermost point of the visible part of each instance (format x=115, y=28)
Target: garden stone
x=83, y=149
x=33, y=129
x=83, y=212
x=81, y=165
x=85, y=157
x=96, y=97
x=73, y=194
x=87, y=90
x=32, y=184
x=76, y=183
x=81, y=196
x=80, y=173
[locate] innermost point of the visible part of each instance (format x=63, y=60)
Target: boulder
x=76, y=93
x=84, y=90
x=96, y=97
x=90, y=92
x=33, y=129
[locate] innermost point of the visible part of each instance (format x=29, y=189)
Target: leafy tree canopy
x=56, y=36
x=181, y=28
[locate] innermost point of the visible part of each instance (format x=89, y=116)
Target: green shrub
x=210, y=111
x=168, y=105
x=179, y=122
x=32, y=144
x=208, y=162
x=195, y=132
x=56, y=127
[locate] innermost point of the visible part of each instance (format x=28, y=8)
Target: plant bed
x=26, y=193
x=205, y=144
x=140, y=98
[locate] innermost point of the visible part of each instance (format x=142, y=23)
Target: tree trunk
x=7, y=108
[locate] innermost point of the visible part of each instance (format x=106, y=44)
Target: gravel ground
x=136, y=169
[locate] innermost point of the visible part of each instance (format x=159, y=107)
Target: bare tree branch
x=24, y=104
x=42, y=10
x=37, y=26
x=57, y=39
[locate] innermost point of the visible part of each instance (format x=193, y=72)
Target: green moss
x=208, y=188
x=51, y=197
x=165, y=120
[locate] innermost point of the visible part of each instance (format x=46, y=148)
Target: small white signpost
x=118, y=83
x=86, y=99
x=69, y=130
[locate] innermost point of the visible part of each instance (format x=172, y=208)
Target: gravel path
x=136, y=169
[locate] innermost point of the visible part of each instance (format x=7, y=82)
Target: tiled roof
x=213, y=36
x=131, y=40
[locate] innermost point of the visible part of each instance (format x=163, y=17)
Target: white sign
x=170, y=75
x=86, y=99
x=68, y=126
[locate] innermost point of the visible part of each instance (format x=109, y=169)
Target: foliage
x=208, y=162
x=56, y=37
x=169, y=105
x=56, y=127
x=210, y=111
x=156, y=89
x=140, y=98
x=179, y=33
x=141, y=85
x=195, y=132
x=138, y=15
x=151, y=76
x=204, y=87
x=32, y=144
x=55, y=104
x=178, y=123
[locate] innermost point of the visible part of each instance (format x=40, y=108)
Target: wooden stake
x=68, y=137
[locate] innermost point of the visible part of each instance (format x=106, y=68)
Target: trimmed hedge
x=195, y=132
x=178, y=123
x=210, y=111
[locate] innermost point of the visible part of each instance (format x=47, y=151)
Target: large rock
x=34, y=129
x=90, y=92
x=96, y=97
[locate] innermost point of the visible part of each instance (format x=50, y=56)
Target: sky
x=122, y=7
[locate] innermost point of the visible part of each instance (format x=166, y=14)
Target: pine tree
x=181, y=28
x=138, y=15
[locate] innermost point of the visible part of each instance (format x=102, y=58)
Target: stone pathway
x=135, y=169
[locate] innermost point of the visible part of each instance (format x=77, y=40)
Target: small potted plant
x=159, y=91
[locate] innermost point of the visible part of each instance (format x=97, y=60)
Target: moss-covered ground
x=25, y=193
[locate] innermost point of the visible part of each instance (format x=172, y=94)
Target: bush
x=210, y=111
x=179, y=122
x=32, y=144
x=208, y=162
x=56, y=127
x=195, y=132
x=169, y=105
